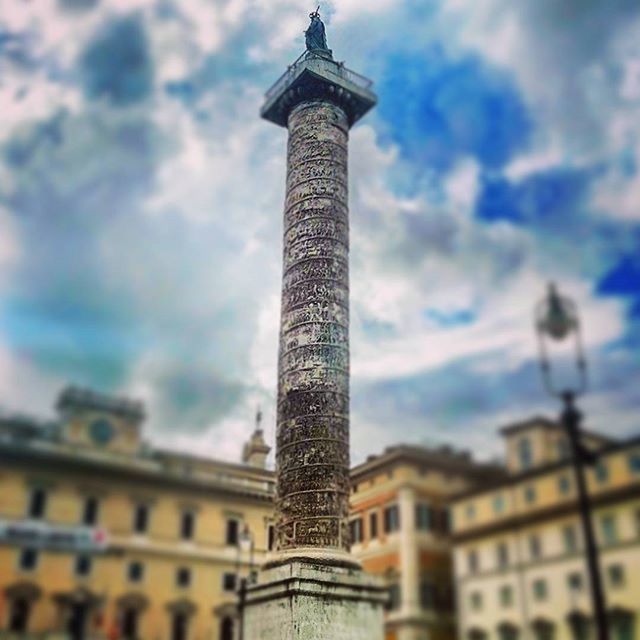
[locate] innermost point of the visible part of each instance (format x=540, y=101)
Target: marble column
x=311, y=587
x=312, y=455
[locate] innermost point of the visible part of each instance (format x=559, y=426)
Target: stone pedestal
x=309, y=601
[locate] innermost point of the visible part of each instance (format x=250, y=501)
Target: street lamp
x=245, y=540
x=557, y=320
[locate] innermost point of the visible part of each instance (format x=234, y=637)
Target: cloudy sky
x=141, y=209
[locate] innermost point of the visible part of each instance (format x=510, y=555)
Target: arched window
x=19, y=615
x=226, y=628
x=507, y=631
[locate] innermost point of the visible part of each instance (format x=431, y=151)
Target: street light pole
x=557, y=318
x=246, y=536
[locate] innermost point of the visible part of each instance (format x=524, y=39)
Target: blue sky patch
x=439, y=109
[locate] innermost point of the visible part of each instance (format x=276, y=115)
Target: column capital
x=317, y=77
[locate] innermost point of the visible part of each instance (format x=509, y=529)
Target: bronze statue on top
x=315, y=35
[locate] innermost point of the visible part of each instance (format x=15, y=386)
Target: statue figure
x=315, y=36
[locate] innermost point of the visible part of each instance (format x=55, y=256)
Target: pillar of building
x=311, y=587
x=409, y=622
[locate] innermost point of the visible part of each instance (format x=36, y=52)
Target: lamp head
x=557, y=317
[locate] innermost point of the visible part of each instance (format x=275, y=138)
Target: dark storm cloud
x=117, y=64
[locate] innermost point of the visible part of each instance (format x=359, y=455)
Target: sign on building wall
x=27, y=533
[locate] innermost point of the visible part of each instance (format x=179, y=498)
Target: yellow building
x=400, y=531
x=102, y=536
x=519, y=562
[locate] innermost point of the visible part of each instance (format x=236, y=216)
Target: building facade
x=520, y=569
x=102, y=536
x=400, y=531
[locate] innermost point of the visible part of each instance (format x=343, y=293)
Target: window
x=355, y=529
x=37, y=503
x=634, y=463
x=424, y=517
x=498, y=504
x=226, y=628
x=570, y=539
x=524, y=453
x=506, y=596
x=609, y=531
x=502, y=554
x=183, y=577
x=472, y=561
x=394, y=597
x=563, y=449
x=445, y=522
x=530, y=494
x=28, y=559
x=271, y=532
x=471, y=512
x=427, y=595
x=135, y=571
x=229, y=582
x=90, y=511
x=19, y=615
x=615, y=572
x=82, y=566
x=601, y=472
x=508, y=632
x=535, y=549
x=141, y=518
x=476, y=600
x=564, y=485
x=373, y=525
x=187, y=524
x=232, y=531
x=540, y=590
x=391, y=519
x=574, y=581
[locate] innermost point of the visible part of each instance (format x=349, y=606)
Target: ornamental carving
x=313, y=387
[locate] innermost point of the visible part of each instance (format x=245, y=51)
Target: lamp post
x=557, y=320
x=245, y=539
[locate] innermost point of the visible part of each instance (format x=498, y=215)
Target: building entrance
x=77, y=625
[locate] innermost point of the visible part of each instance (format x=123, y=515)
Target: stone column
x=311, y=587
x=313, y=380
x=410, y=567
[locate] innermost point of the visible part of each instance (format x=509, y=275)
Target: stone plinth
x=310, y=601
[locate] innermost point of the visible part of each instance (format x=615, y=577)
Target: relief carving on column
x=313, y=386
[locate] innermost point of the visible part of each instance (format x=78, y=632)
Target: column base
x=308, y=599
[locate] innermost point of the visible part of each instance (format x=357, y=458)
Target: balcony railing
x=340, y=71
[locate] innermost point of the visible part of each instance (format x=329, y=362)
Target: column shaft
x=312, y=454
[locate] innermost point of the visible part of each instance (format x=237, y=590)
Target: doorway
x=129, y=623
x=77, y=624
x=19, y=616
x=179, y=626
